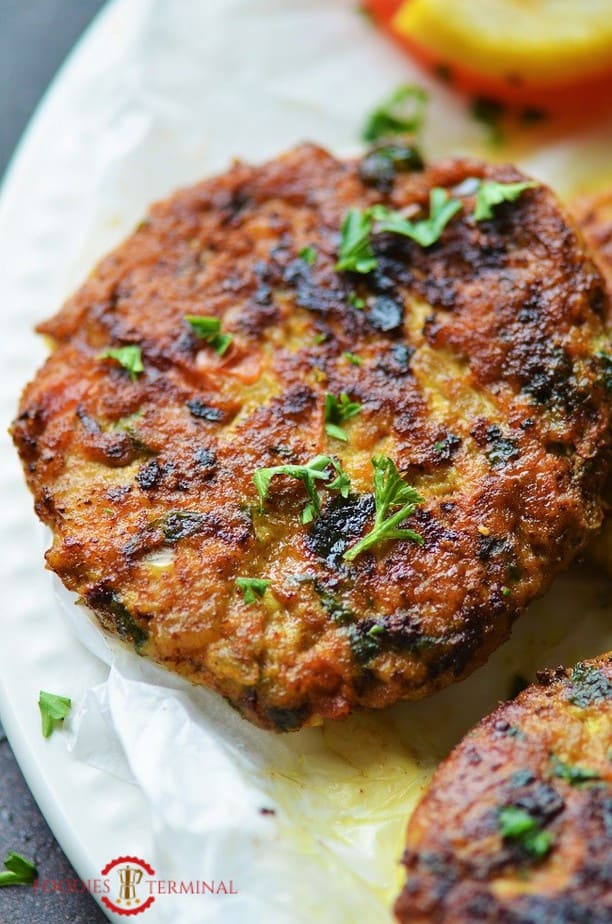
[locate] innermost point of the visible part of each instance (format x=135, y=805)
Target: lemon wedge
x=548, y=43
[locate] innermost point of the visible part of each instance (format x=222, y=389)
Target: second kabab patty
x=413, y=359
x=516, y=826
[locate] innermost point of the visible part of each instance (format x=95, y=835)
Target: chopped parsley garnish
x=356, y=252
x=377, y=629
x=53, y=710
x=17, y=871
x=390, y=491
x=129, y=357
x=209, y=329
x=520, y=827
x=573, y=775
x=252, y=588
x=491, y=193
x=337, y=411
x=353, y=359
x=426, y=231
x=356, y=302
x=308, y=255
x=402, y=111
x=318, y=469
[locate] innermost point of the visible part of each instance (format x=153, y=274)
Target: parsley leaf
x=402, y=111
x=17, y=871
x=337, y=411
x=129, y=357
x=491, y=194
x=353, y=359
x=318, y=469
x=357, y=302
x=209, y=329
x=573, y=775
x=341, y=483
x=53, y=710
x=252, y=588
x=308, y=255
x=356, y=252
x=426, y=231
x=390, y=490
x=517, y=825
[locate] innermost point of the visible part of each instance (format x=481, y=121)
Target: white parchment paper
x=169, y=91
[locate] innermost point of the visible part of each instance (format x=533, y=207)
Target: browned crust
x=460, y=868
x=488, y=398
x=593, y=215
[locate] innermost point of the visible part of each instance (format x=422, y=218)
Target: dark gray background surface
x=35, y=36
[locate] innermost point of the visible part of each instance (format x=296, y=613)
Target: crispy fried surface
x=547, y=753
x=594, y=217
x=478, y=378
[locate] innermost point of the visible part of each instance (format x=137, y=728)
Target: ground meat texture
x=541, y=762
x=475, y=374
x=594, y=217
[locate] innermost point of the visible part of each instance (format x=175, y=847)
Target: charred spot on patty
x=340, y=524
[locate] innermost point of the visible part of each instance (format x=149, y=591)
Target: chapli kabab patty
x=334, y=449
x=516, y=827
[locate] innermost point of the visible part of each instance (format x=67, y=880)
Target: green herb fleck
x=308, y=255
x=377, y=629
x=356, y=302
x=252, y=588
x=127, y=627
x=53, y=710
x=426, y=231
x=573, y=775
x=17, y=871
x=520, y=827
x=318, y=469
x=364, y=646
x=491, y=194
x=337, y=411
x=390, y=490
x=209, y=329
x=335, y=608
x=402, y=111
x=129, y=357
x=356, y=252
x=353, y=359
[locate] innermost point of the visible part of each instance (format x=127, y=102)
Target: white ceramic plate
x=159, y=93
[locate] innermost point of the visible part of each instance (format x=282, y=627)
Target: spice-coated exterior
x=478, y=375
